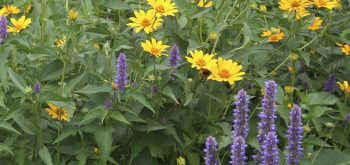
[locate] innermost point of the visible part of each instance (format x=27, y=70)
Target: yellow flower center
x=295, y=4
x=273, y=38
x=224, y=73
x=160, y=9
x=145, y=22
x=201, y=62
x=155, y=51
x=19, y=26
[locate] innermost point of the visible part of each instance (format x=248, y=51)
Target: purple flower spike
x=154, y=89
x=330, y=84
x=238, y=151
x=108, y=104
x=347, y=117
x=270, y=154
x=240, y=114
x=37, y=87
x=295, y=136
x=210, y=149
x=174, y=57
x=267, y=115
x=121, y=78
x=3, y=29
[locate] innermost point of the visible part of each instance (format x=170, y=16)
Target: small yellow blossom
x=154, y=47
x=291, y=69
x=205, y=3
x=28, y=8
x=276, y=37
x=96, y=151
x=344, y=87
x=298, y=6
x=200, y=60
x=329, y=4
x=72, y=15
x=345, y=48
x=60, y=41
x=262, y=8
x=288, y=89
x=290, y=105
x=266, y=33
x=293, y=56
x=163, y=7
x=9, y=9
x=316, y=24
x=96, y=45
x=213, y=35
x=226, y=71
x=180, y=161
x=145, y=20
x=274, y=34
x=57, y=112
x=19, y=24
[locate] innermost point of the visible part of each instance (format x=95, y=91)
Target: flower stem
x=63, y=75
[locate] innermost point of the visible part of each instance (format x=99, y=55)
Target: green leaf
x=66, y=133
x=331, y=157
x=142, y=100
x=25, y=125
x=315, y=141
x=6, y=148
x=317, y=111
x=45, y=155
x=8, y=127
x=247, y=34
x=116, y=115
x=104, y=140
x=168, y=92
x=92, y=89
x=72, y=83
x=19, y=83
x=321, y=98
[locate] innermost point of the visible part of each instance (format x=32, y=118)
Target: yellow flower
x=291, y=69
x=262, y=8
x=290, y=105
x=145, y=20
x=316, y=24
x=344, y=87
x=60, y=41
x=213, y=35
x=57, y=112
x=154, y=47
x=9, y=9
x=226, y=71
x=96, y=45
x=200, y=60
x=266, y=33
x=72, y=15
x=163, y=7
x=345, y=49
x=288, y=89
x=180, y=161
x=29, y=8
x=19, y=25
x=96, y=151
x=293, y=56
x=276, y=37
x=339, y=4
x=205, y=3
x=298, y=6
x=329, y=4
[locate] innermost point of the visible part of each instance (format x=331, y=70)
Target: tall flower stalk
x=270, y=155
x=174, y=57
x=295, y=136
x=240, y=114
x=121, y=78
x=238, y=151
x=330, y=84
x=3, y=29
x=210, y=149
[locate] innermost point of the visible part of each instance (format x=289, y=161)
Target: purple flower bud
x=330, y=84
x=210, y=149
x=240, y=115
x=347, y=117
x=3, y=29
x=238, y=151
x=270, y=154
x=121, y=78
x=108, y=104
x=174, y=57
x=154, y=89
x=295, y=136
x=37, y=87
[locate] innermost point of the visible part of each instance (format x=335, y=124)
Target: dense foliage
x=156, y=82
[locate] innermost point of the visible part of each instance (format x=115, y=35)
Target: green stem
x=58, y=143
x=38, y=123
x=67, y=9
x=63, y=75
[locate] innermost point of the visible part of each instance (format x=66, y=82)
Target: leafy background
x=147, y=128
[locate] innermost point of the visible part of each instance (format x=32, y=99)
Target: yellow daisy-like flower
x=329, y=4
x=345, y=49
x=180, y=161
x=226, y=71
x=276, y=37
x=316, y=24
x=19, y=25
x=266, y=33
x=205, y=3
x=344, y=87
x=154, y=47
x=57, y=112
x=199, y=60
x=163, y=7
x=274, y=34
x=9, y=9
x=299, y=6
x=262, y=8
x=60, y=41
x=145, y=20
x=72, y=15
x=288, y=89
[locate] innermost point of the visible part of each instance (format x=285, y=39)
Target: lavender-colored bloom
x=330, y=84
x=121, y=78
x=154, y=89
x=3, y=29
x=210, y=149
x=238, y=147
x=174, y=57
x=295, y=136
x=108, y=104
x=37, y=87
x=270, y=154
x=347, y=117
x=240, y=114
x=267, y=115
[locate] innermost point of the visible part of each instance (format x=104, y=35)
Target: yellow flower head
x=266, y=33
x=213, y=35
x=19, y=25
x=290, y=105
x=262, y=8
x=72, y=15
x=9, y=9
x=345, y=49
x=60, y=41
x=205, y=3
x=154, y=47
x=28, y=8
x=344, y=87
x=226, y=71
x=57, y=112
x=180, y=161
x=163, y=7
x=316, y=24
x=298, y=6
x=329, y=4
x=145, y=20
x=276, y=37
x=200, y=60
x=288, y=89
